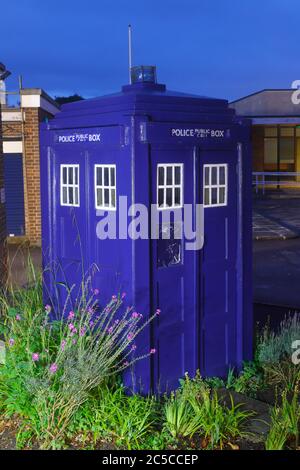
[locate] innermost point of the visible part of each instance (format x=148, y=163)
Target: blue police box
x=168, y=151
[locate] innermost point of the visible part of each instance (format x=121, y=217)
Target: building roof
x=275, y=103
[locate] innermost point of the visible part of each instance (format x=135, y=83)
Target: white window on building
x=105, y=187
x=69, y=185
x=170, y=186
x=215, y=185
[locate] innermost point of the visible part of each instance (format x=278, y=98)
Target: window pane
x=177, y=197
x=76, y=175
x=287, y=131
x=99, y=198
x=270, y=149
x=106, y=176
x=70, y=176
x=286, y=150
x=177, y=174
x=160, y=197
x=106, y=196
x=169, y=197
x=161, y=172
x=76, y=196
x=65, y=196
x=298, y=131
x=207, y=176
x=214, y=196
x=222, y=175
x=221, y=195
x=270, y=131
x=112, y=177
x=113, y=198
x=99, y=176
x=71, y=199
x=214, y=175
x=64, y=179
x=206, y=197
x=169, y=175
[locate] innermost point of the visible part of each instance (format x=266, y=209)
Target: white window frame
x=68, y=185
x=217, y=186
x=172, y=186
x=110, y=187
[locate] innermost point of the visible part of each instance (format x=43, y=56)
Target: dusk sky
x=221, y=48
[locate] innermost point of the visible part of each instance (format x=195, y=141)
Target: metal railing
x=263, y=179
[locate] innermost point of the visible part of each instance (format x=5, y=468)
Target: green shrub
x=195, y=408
x=52, y=366
x=274, y=353
x=285, y=422
x=274, y=347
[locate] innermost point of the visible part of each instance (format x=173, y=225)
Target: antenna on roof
x=129, y=51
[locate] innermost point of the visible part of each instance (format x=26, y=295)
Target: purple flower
x=74, y=331
x=74, y=341
x=47, y=308
x=114, y=298
x=53, y=368
x=133, y=347
x=82, y=331
x=90, y=310
x=91, y=323
x=18, y=318
x=158, y=311
x=110, y=330
x=71, y=327
x=152, y=351
x=123, y=295
x=125, y=364
x=135, y=315
x=130, y=336
x=11, y=342
x=96, y=292
x=71, y=315
x=35, y=357
x=63, y=345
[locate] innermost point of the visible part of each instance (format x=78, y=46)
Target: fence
x=265, y=179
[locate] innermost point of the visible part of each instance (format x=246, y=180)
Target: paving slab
x=259, y=424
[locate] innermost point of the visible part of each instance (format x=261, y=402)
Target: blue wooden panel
x=14, y=192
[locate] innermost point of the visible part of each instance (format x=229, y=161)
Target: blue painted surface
x=14, y=193
x=206, y=300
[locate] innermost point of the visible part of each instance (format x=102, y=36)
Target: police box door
x=173, y=267
x=71, y=222
x=218, y=179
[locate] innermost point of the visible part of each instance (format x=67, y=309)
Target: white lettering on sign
x=74, y=138
x=201, y=133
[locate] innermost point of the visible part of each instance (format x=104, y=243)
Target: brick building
x=20, y=129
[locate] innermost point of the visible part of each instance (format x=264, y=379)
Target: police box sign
x=201, y=133
x=78, y=137
x=154, y=132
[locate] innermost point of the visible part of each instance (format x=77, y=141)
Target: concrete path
x=276, y=217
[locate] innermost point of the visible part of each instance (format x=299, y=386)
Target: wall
x=31, y=172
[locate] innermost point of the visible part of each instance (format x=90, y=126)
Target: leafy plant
x=285, y=422
x=180, y=418
x=195, y=408
x=278, y=432
x=127, y=420
x=52, y=366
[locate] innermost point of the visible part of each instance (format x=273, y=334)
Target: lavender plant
x=52, y=366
